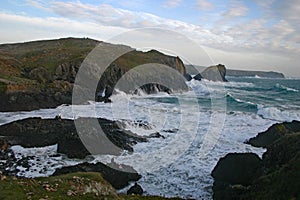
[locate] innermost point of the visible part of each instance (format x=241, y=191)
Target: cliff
x=262, y=74
x=41, y=74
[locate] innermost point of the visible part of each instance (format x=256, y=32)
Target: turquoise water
x=280, y=93
x=266, y=97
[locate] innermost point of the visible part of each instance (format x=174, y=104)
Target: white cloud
x=204, y=5
x=289, y=11
x=38, y=4
x=236, y=9
x=172, y=3
x=19, y=28
x=257, y=36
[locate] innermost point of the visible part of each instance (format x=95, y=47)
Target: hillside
x=41, y=74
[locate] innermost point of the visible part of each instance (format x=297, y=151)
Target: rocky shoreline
x=275, y=176
x=37, y=132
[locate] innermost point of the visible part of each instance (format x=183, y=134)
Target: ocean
x=199, y=127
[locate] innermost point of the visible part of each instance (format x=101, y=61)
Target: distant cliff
x=242, y=73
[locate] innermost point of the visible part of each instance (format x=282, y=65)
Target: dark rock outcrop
x=188, y=77
x=235, y=170
x=34, y=100
x=135, y=189
x=117, y=178
x=213, y=73
x=198, y=77
x=278, y=176
x=37, y=132
x=273, y=133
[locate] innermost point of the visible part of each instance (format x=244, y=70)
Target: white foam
x=274, y=113
x=286, y=88
x=45, y=160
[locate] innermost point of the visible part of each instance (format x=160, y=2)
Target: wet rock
x=276, y=131
x=188, y=77
x=198, y=77
x=156, y=135
x=135, y=189
x=37, y=132
x=174, y=130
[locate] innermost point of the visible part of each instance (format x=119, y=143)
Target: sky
x=242, y=34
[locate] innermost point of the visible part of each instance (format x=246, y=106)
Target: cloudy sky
x=242, y=34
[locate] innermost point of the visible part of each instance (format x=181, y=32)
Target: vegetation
x=17, y=60
x=88, y=185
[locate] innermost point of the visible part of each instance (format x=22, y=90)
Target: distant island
x=262, y=74
x=195, y=69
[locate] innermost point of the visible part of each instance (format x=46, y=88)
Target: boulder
x=238, y=168
x=233, y=173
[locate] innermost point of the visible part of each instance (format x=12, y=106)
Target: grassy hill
x=18, y=60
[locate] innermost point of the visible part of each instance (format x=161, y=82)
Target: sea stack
x=213, y=73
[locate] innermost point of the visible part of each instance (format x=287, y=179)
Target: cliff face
x=43, y=72
x=213, y=73
x=128, y=62
x=241, y=73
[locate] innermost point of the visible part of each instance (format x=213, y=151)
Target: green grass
x=81, y=186
x=48, y=54
x=135, y=58
x=70, y=186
